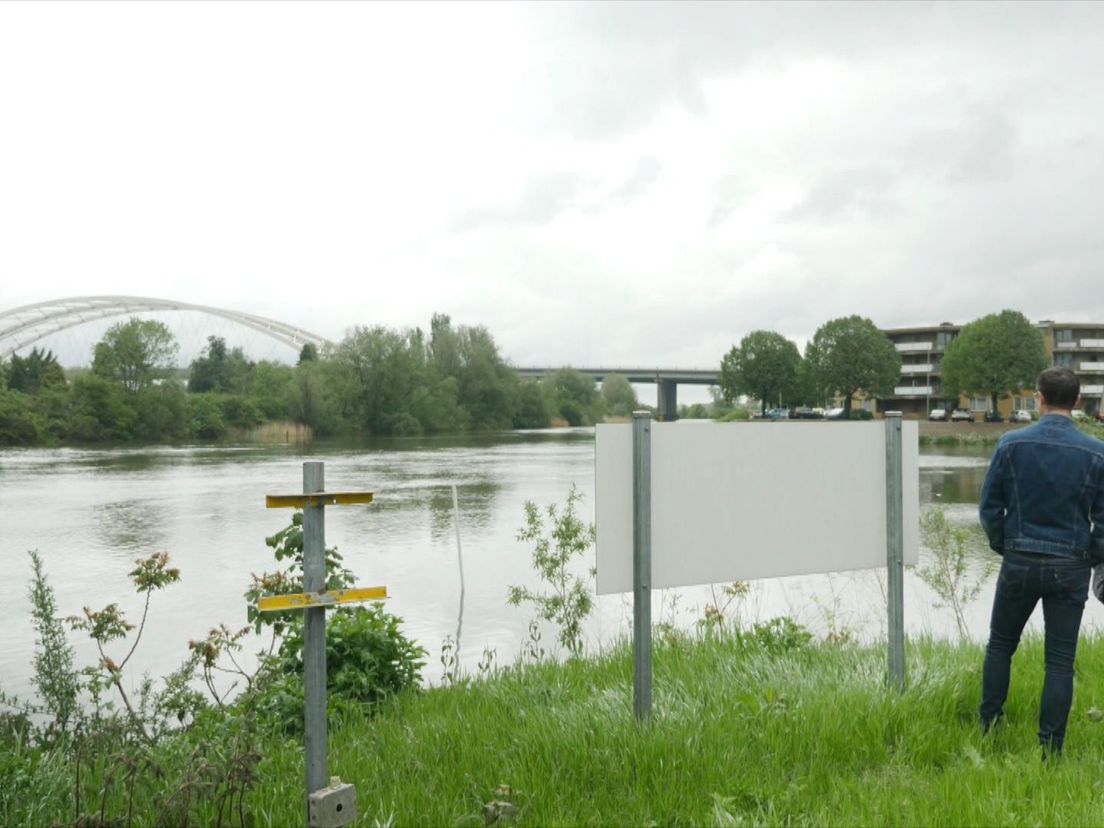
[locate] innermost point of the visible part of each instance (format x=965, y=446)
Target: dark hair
x=1060, y=387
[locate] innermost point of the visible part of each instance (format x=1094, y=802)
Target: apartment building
x=919, y=389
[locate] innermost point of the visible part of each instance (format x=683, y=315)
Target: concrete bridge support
x=667, y=393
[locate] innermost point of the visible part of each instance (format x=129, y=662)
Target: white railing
x=1092, y=367
x=912, y=347
x=1092, y=343
x=912, y=390
x=1092, y=390
x=917, y=369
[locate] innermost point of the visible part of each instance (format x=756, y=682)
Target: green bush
x=368, y=659
x=19, y=426
x=205, y=417
x=735, y=415
x=240, y=412
x=367, y=656
x=779, y=636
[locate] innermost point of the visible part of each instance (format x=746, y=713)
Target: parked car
x=806, y=414
x=993, y=417
x=961, y=415
x=778, y=413
x=1020, y=416
x=833, y=414
x=938, y=414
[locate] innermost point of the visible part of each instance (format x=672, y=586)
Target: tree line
x=451, y=379
x=992, y=356
x=376, y=381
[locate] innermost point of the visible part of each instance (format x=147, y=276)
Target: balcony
x=1091, y=367
x=912, y=391
x=914, y=347
x=912, y=370
x=1092, y=390
x=1092, y=343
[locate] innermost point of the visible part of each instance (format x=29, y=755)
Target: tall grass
x=761, y=728
x=744, y=733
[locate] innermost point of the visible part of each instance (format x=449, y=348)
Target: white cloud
x=594, y=183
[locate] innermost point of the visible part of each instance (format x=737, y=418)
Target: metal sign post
x=895, y=552
x=642, y=565
x=329, y=801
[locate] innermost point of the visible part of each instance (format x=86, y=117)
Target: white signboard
x=739, y=501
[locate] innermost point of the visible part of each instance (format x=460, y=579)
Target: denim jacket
x=1044, y=491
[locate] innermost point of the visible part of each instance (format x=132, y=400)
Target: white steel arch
x=26, y=325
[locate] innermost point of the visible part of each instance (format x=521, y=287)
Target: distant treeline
x=376, y=381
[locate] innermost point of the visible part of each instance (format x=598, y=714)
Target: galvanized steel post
x=895, y=551
x=314, y=631
x=642, y=564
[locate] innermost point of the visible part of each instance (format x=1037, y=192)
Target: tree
x=383, y=368
x=308, y=353
x=38, y=370
x=220, y=370
x=135, y=353
x=619, y=395
x=993, y=355
x=488, y=388
x=532, y=410
x=850, y=354
x=764, y=366
x=269, y=385
x=573, y=396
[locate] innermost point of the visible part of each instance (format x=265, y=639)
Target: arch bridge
x=23, y=326
x=28, y=324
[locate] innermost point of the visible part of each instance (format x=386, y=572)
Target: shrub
x=567, y=538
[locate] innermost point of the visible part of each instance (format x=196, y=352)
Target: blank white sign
x=738, y=501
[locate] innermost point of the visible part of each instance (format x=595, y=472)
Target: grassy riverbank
x=753, y=731
x=765, y=729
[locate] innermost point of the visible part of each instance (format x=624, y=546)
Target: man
x=1042, y=506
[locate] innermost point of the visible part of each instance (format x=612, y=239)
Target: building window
x=1063, y=335
x=1064, y=360
x=979, y=403
x=1026, y=403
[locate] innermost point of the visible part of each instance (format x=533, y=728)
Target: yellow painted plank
x=300, y=501
x=303, y=600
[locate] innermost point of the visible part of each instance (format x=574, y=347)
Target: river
x=91, y=512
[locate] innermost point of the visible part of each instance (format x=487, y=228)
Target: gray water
x=91, y=513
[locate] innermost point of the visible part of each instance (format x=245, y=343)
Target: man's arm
x=1096, y=515
x=991, y=506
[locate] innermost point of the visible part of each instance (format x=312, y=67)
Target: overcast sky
x=606, y=183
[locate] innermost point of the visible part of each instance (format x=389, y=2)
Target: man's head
x=1060, y=387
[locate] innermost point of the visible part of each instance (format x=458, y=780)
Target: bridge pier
x=667, y=397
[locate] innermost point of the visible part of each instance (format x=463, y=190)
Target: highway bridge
x=667, y=381
x=23, y=326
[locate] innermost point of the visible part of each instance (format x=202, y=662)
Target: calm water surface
x=91, y=513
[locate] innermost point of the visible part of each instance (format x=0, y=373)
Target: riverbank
x=940, y=433
x=763, y=728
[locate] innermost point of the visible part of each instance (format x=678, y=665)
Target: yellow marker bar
x=303, y=600
x=300, y=501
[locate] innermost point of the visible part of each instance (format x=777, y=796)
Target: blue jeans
x=1063, y=586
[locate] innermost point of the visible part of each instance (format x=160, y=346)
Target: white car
x=938, y=414
x=1020, y=416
